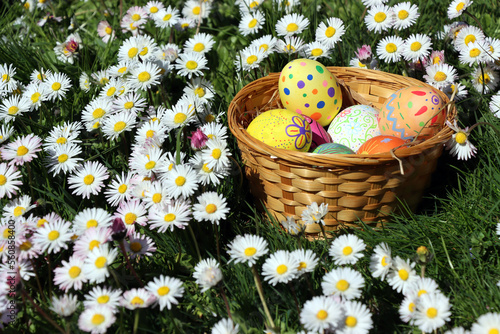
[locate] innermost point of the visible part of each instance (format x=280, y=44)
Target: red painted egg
x=412, y=111
x=319, y=134
x=380, y=144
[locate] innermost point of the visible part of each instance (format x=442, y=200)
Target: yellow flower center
x=22, y=150
x=19, y=210
x=250, y=251
x=436, y=60
x=5, y=77
x=150, y=133
x=135, y=246
x=150, y=165
x=61, y=140
x=347, y=250
x=485, y=78
x=330, y=31
x=421, y=292
x=167, y=17
x=191, y=65
x=322, y=315
x=211, y=208
x=403, y=274
x=199, y=91
x=136, y=17
x=130, y=218
x=97, y=319
x=100, y=262
x=180, y=180
x=460, y=6
x=13, y=110
x=206, y=169
x=302, y=265
x=153, y=9
x=415, y=46
x=6, y=233
x=74, y=272
x=380, y=17
x=104, y=299
x=474, y=52
x=103, y=81
x=124, y=68
x=264, y=46
x=469, y=38
x=3, y=179
x=56, y=86
x=62, y=158
x=383, y=262
x=198, y=47
x=391, y=47
x=316, y=52
x=122, y=188
x=403, y=14
x=111, y=91
x=133, y=52
x=342, y=285
x=494, y=331
x=440, y=76
x=432, y=312
x=291, y=27
x=144, y=51
x=179, y=118
x=196, y=10
x=144, y=76
x=351, y=321
x=360, y=64
x=461, y=138
x=252, y=59
x=216, y=153
x=108, y=30
x=281, y=269
x=119, y=126
x=252, y=23
x=98, y=113
x=254, y=4
x=25, y=246
x=89, y=179
x=128, y=105
x=53, y=235
x=169, y=217
x=92, y=223
x=93, y=244
x=41, y=222
x=163, y=290
x=35, y=97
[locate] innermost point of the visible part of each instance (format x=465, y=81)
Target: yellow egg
x=282, y=128
x=308, y=88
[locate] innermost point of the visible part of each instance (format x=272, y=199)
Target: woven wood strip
x=355, y=187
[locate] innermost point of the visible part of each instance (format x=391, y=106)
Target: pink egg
x=319, y=134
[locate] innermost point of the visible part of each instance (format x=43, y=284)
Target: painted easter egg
x=410, y=111
x=380, y=144
x=319, y=134
x=282, y=128
x=307, y=87
x=354, y=125
x=333, y=148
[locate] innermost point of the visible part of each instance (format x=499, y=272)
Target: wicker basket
x=356, y=187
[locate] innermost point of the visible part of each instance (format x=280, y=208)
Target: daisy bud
x=423, y=255
x=364, y=54
x=198, y=139
x=119, y=230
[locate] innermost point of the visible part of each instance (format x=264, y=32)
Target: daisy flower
x=459, y=89
x=117, y=123
x=147, y=164
x=402, y=276
x=485, y=80
x=486, y=323
x=355, y=62
x=91, y=238
x=156, y=195
x=417, y=47
x=131, y=103
x=307, y=260
x=247, y=249
x=440, y=75
x=148, y=49
x=280, y=267
x=6, y=131
x=88, y=179
x=247, y=6
x=132, y=212
x=35, y=94
x=320, y=313
x=381, y=261
x=249, y=58
x=153, y=132
x=216, y=155
x=103, y=297
x=406, y=15
x=185, y=23
x=166, y=290
x=314, y=213
x=14, y=106
x=211, y=207
x=17, y=207
x=225, y=326
x=7, y=81
x=425, y=285
x=292, y=24
x=91, y=217
x=96, y=319
x=457, y=7
x=52, y=237
x=290, y=45
x=290, y=224
x=153, y=7
x=28, y=250
x=473, y=53
x=457, y=330
x=347, y=249
x=196, y=10
x=433, y=311
x=202, y=90
x=167, y=17
x=287, y=6
x=315, y=50
x=206, y=175
x=181, y=181
x=494, y=107
x=330, y=33
x=63, y=158
x=10, y=179
x=138, y=245
x=459, y=144
x=379, y=18
x=70, y=275
x=95, y=266
x=344, y=282
x=180, y=115
x=129, y=50
x=467, y=35
x=138, y=15
x=436, y=57
x=105, y=31
x=251, y=23
x=65, y=305
x=207, y=274
x=57, y=85
x=266, y=43
x=199, y=43
x=191, y=64
x=357, y=318
x=112, y=88
x=371, y=3
x=493, y=51
x=390, y=49
x=84, y=82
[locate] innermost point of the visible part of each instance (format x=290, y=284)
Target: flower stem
x=258, y=284
x=129, y=266
x=484, y=123
x=136, y=320
x=221, y=289
x=294, y=297
x=216, y=227
x=42, y=312
x=194, y=240
x=323, y=231
x=38, y=281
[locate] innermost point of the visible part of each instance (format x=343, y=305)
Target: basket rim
x=334, y=160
